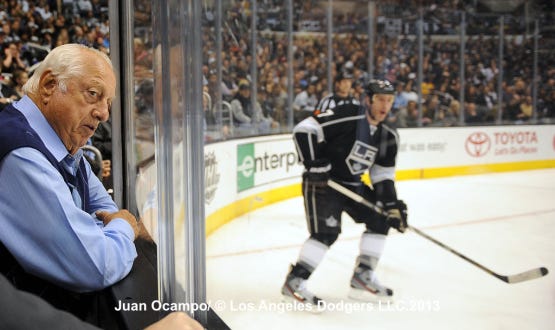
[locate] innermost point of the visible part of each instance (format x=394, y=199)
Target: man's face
x=381, y=106
x=75, y=113
x=245, y=92
x=344, y=87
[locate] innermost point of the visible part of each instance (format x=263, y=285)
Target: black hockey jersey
x=331, y=101
x=341, y=135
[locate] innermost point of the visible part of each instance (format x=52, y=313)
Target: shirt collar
x=71, y=162
x=41, y=126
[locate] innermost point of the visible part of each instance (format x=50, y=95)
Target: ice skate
x=295, y=288
x=366, y=287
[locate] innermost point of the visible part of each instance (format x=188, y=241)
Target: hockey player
x=341, y=142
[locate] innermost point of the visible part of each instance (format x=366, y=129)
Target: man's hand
x=317, y=180
x=176, y=320
x=317, y=173
x=397, y=215
x=106, y=217
x=143, y=232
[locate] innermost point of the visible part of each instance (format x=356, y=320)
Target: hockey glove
x=318, y=174
x=397, y=215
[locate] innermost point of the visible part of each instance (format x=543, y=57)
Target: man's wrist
x=122, y=225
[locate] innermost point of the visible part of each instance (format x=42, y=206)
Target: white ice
x=505, y=221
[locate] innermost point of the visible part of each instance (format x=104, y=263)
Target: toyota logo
x=477, y=144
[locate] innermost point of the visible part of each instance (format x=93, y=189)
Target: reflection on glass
x=281, y=100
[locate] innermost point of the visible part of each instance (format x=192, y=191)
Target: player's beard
x=371, y=118
x=375, y=119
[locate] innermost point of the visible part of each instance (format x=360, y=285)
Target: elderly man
x=62, y=235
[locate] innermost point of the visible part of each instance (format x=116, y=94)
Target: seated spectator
x=401, y=98
x=546, y=109
x=229, y=87
x=471, y=114
x=7, y=95
x=62, y=234
x=247, y=116
x=407, y=94
x=448, y=115
x=12, y=60
x=396, y=118
x=306, y=101
x=431, y=108
x=84, y=6
x=11, y=90
x=525, y=108
x=279, y=99
x=409, y=116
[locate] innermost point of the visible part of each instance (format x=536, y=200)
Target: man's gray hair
x=65, y=62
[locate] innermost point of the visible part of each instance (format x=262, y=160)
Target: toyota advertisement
x=447, y=147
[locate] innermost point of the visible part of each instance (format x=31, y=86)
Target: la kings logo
x=362, y=156
x=211, y=177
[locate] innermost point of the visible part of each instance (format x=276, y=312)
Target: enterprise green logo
x=262, y=163
x=245, y=166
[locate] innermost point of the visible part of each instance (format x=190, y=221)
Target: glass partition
x=199, y=72
x=168, y=117
x=452, y=66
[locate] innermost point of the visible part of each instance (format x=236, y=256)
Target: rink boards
x=246, y=174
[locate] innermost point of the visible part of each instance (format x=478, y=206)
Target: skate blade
x=367, y=296
x=296, y=305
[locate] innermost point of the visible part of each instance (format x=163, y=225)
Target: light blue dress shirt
x=41, y=225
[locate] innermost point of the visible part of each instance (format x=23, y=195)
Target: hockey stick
x=515, y=278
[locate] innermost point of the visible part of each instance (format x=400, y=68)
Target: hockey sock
x=371, y=249
x=310, y=257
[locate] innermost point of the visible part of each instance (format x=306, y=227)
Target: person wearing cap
x=342, y=93
x=341, y=144
x=306, y=101
x=247, y=116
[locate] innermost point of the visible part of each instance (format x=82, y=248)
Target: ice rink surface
x=505, y=221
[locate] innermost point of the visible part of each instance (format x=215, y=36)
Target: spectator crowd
x=395, y=59
x=31, y=28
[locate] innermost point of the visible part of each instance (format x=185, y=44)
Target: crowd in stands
x=396, y=59
x=31, y=28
